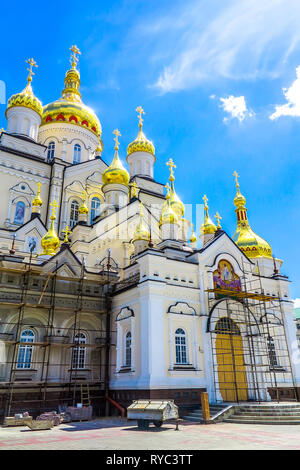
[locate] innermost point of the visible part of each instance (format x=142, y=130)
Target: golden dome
x=168, y=215
x=50, y=241
x=193, y=237
x=208, y=227
x=175, y=202
x=246, y=239
x=37, y=201
x=70, y=108
x=26, y=97
x=83, y=209
x=141, y=143
x=116, y=173
x=142, y=231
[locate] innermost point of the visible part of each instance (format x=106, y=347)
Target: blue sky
x=218, y=82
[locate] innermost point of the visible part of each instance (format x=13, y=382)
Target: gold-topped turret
x=141, y=143
x=83, y=209
x=208, y=227
x=175, y=202
x=248, y=241
x=116, y=173
x=37, y=201
x=26, y=97
x=142, y=231
x=168, y=215
x=50, y=241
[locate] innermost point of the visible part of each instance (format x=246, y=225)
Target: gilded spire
x=141, y=143
x=67, y=232
x=26, y=97
x=133, y=190
x=74, y=59
x=247, y=240
x=50, y=241
x=116, y=173
x=37, y=201
x=208, y=227
x=193, y=237
x=176, y=204
x=72, y=79
x=218, y=217
x=142, y=231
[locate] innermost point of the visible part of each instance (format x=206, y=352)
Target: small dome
x=50, y=241
x=141, y=143
x=193, y=237
x=116, y=173
x=176, y=204
x=142, y=231
x=37, y=201
x=26, y=97
x=208, y=227
x=168, y=215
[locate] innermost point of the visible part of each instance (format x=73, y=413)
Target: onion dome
x=193, y=237
x=26, y=97
x=70, y=108
x=208, y=227
x=248, y=241
x=37, y=201
x=142, y=231
x=141, y=143
x=176, y=203
x=168, y=215
x=50, y=241
x=116, y=173
x=83, y=209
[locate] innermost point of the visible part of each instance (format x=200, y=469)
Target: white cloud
x=207, y=39
x=236, y=107
x=292, y=96
x=297, y=303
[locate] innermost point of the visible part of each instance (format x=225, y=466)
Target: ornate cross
x=31, y=63
x=134, y=188
x=205, y=199
x=236, y=175
x=54, y=205
x=218, y=217
x=117, y=133
x=74, y=59
x=171, y=165
x=67, y=232
x=140, y=111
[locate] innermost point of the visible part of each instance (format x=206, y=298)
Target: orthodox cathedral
x=106, y=294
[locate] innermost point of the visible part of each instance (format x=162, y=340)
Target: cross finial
x=134, y=188
x=2, y=130
x=31, y=63
x=205, y=199
x=236, y=175
x=171, y=165
x=117, y=133
x=67, y=232
x=218, y=217
x=168, y=187
x=74, y=59
x=54, y=205
x=84, y=195
x=140, y=111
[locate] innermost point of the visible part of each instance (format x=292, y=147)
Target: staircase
x=265, y=414
x=196, y=415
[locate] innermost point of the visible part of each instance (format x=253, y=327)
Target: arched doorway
x=232, y=375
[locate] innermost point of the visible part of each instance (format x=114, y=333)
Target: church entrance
x=232, y=376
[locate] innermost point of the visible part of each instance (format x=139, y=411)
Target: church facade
x=104, y=286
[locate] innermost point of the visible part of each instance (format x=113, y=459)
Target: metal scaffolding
x=250, y=355
x=29, y=292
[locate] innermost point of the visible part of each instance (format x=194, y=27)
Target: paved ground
x=118, y=434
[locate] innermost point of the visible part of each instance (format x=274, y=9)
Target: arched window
x=76, y=154
x=127, y=355
x=95, y=207
x=74, y=214
x=24, y=360
x=180, y=346
x=51, y=151
x=272, y=352
x=20, y=213
x=79, y=352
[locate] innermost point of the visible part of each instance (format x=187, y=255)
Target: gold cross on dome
x=218, y=217
x=236, y=175
x=54, y=205
x=67, y=232
x=117, y=133
x=134, y=188
x=31, y=63
x=168, y=187
x=205, y=199
x=171, y=165
x=2, y=130
x=74, y=59
x=140, y=111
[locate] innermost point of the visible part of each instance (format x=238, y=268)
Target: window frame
x=25, y=352
x=181, y=347
x=73, y=221
x=79, y=352
x=51, y=151
x=76, y=154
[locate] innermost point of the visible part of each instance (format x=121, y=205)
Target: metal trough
x=155, y=411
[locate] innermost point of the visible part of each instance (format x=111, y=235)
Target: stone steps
x=251, y=421
x=265, y=414
x=196, y=415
